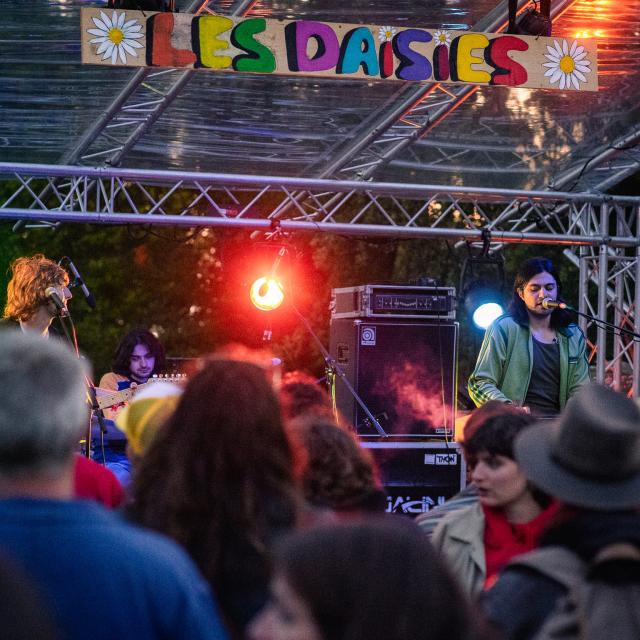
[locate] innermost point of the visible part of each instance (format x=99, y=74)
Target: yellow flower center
x=388, y=35
x=442, y=37
x=115, y=35
x=567, y=64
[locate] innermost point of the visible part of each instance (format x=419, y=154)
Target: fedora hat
x=590, y=455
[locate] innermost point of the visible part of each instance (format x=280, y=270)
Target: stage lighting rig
x=482, y=285
x=533, y=21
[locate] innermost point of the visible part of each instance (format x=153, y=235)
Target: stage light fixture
x=482, y=284
x=266, y=293
x=483, y=303
x=532, y=22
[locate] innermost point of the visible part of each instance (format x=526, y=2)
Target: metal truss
x=605, y=230
x=616, y=297
x=415, y=111
x=115, y=195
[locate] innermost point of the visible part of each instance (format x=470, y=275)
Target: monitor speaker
x=405, y=372
x=418, y=476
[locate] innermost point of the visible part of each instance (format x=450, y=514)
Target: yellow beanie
x=146, y=413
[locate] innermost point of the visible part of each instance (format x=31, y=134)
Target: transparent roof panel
x=523, y=138
x=277, y=125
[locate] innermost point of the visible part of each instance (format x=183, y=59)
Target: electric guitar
x=107, y=398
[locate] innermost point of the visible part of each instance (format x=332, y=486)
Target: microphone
x=54, y=296
x=548, y=303
x=89, y=297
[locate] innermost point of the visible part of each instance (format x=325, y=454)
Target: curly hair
x=299, y=395
x=30, y=277
x=219, y=478
x=339, y=473
x=528, y=269
x=122, y=358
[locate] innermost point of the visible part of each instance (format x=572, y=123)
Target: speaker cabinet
x=418, y=476
x=405, y=372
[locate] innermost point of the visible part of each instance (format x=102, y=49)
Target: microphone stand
x=334, y=368
x=91, y=389
x=607, y=324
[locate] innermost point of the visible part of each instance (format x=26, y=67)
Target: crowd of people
x=249, y=509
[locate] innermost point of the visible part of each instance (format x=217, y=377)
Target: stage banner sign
x=322, y=49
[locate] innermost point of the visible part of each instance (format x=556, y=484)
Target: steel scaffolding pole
x=110, y=195
x=603, y=264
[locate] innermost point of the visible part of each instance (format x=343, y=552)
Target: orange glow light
x=266, y=294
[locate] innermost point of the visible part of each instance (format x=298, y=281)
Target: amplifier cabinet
x=404, y=371
x=418, y=476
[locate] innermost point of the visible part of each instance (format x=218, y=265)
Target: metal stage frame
x=339, y=194
x=601, y=232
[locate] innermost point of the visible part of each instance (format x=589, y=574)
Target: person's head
x=588, y=457
x=338, y=473
x=26, y=291
x=263, y=358
x=301, y=395
x=379, y=579
x=537, y=279
x=488, y=449
x=222, y=463
x=147, y=412
x=139, y=355
x=42, y=406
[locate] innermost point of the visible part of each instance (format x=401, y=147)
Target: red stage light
x=266, y=293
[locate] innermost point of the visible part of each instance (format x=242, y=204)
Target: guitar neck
x=109, y=399
x=118, y=397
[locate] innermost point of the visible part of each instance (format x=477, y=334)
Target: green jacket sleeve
x=578, y=363
x=483, y=383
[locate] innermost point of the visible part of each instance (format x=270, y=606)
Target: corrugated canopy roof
x=316, y=127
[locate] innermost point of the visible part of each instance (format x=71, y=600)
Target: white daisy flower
x=567, y=65
x=385, y=34
x=441, y=36
x=115, y=37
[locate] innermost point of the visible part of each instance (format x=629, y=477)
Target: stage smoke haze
x=414, y=397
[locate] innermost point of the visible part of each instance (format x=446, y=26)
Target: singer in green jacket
x=534, y=356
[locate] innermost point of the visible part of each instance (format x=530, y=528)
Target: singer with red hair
x=534, y=356
x=37, y=292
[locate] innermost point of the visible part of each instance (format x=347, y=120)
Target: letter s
x=507, y=72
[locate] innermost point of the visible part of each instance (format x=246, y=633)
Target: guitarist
x=138, y=356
